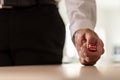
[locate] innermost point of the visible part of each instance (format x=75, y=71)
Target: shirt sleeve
x=82, y=14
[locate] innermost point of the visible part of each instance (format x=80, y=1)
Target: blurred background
x=107, y=27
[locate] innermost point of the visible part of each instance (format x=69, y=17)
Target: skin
x=82, y=39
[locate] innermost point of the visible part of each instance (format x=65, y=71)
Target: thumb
x=91, y=43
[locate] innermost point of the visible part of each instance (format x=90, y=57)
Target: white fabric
x=82, y=14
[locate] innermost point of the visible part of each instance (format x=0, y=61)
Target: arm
x=82, y=16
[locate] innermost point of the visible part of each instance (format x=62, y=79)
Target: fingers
x=89, y=46
x=79, y=38
x=90, y=54
x=91, y=37
x=88, y=62
x=84, y=52
x=100, y=47
x=94, y=43
x=88, y=58
x=91, y=40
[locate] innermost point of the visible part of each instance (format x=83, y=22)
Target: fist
x=89, y=46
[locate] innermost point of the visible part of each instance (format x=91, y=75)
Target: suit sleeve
x=82, y=14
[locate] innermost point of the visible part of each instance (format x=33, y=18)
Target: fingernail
x=92, y=47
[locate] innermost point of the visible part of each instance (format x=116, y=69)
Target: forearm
x=82, y=14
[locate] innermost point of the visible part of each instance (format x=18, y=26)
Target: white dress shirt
x=82, y=14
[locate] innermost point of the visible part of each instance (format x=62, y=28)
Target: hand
x=89, y=46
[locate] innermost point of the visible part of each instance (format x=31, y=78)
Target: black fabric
x=19, y=2
x=31, y=36
x=25, y=3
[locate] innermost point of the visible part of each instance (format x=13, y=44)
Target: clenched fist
x=89, y=46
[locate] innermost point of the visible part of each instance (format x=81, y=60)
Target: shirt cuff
x=82, y=24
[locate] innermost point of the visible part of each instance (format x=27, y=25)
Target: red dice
x=92, y=47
